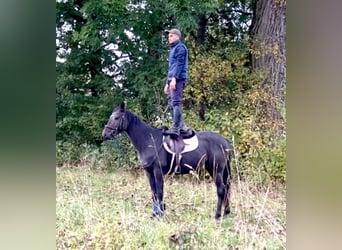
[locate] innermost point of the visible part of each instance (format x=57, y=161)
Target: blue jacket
x=178, y=61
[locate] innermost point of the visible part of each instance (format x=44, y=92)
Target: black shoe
x=183, y=131
x=170, y=132
x=167, y=132
x=173, y=132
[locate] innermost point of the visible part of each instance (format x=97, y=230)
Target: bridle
x=115, y=131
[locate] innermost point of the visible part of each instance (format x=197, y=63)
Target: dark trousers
x=175, y=98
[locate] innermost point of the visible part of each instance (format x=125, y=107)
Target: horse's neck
x=140, y=133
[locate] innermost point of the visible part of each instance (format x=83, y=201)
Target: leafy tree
x=108, y=51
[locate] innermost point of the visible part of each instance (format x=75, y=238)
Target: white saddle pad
x=190, y=145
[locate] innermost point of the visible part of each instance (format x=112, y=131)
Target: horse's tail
x=229, y=155
x=227, y=176
x=227, y=170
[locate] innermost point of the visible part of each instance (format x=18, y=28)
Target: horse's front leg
x=155, y=178
x=158, y=204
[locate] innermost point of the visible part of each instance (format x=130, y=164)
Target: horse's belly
x=192, y=161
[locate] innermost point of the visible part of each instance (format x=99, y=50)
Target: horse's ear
x=122, y=106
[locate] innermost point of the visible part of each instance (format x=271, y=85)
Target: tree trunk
x=202, y=25
x=268, y=54
x=268, y=41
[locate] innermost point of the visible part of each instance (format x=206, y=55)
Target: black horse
x=213, y=150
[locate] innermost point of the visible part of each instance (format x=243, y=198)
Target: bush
x=67, y=153
x=118, y=153
x=110, y=155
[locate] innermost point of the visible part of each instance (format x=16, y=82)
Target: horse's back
x=215, y=145
x=213, y=139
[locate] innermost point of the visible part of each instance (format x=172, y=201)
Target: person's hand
x=173, y=83
x=167, y=89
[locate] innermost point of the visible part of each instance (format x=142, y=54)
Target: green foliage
x=111, y=155
x=118, y=153
x=186, y=13
x=80, y=118
x=247, y=122
x=211, y=76
x=66, y=153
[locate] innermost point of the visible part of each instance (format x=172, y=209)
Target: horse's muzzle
x=109, y=133
x=106, y=137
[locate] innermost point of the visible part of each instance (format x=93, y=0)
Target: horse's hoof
x=155, y=217
x=158, y=210
x=227, y=211
x=217, y=216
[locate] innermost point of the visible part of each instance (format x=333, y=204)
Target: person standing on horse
x=176, y=80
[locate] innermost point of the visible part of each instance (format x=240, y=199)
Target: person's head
x=174, y=35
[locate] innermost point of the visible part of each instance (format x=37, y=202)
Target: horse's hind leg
x=217, y=172
x=226, y=181
x=221, y=189
x=226, y=203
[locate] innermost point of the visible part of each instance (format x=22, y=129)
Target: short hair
x=175, y=31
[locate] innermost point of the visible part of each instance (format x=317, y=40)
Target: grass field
x=100, y=210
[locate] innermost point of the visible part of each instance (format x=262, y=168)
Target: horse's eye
x=116, y=118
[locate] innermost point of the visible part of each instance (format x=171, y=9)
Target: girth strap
x=176, y=146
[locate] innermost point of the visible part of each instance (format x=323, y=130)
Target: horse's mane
x=136, y=119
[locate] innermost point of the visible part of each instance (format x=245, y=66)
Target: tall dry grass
x=100, y=210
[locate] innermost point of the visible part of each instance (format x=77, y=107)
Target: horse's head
x=116, y=124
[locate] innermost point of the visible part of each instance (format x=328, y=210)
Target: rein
x=157, y=151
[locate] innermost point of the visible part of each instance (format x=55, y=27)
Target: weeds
x=100, y=210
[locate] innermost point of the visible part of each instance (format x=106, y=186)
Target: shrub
x=110, y=155
x=67, y=153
